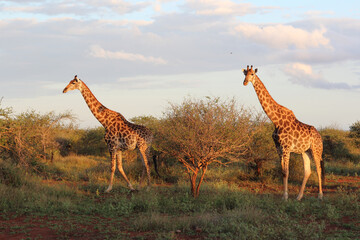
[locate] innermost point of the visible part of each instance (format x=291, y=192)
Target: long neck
x=273, y=110
x=100, y=112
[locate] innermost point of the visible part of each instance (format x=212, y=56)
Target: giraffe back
x=297, y=137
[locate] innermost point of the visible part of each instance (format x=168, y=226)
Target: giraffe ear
x=255, y=70
x=244, y=71
x=76, y=78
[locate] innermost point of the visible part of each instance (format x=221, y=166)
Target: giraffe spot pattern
x=290, y=135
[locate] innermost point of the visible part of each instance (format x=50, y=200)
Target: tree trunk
x=193, y=177
x=195, y=188
x=259, y=163
x=201, y=179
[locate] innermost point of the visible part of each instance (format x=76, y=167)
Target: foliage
x=261, y=148
x=338, y=145
x=91, y=142
x=30, y=135
x=10, y=175
x=82, y=141
x=355, y=129
x=200, y=132
x=355, y=132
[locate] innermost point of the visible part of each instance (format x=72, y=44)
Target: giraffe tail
x=322, y=165
x=155, y=157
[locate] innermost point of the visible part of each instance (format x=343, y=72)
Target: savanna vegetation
x=220, y=178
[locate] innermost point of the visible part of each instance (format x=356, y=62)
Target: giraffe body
x=290, y=135
x=120, y=134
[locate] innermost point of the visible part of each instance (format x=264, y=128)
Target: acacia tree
x=5, y=117
x=29, y=135
x=200, y=132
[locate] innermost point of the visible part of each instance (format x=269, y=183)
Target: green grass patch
x=226, y=208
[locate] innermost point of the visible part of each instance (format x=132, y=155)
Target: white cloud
x=98, y=52
x=120, y=6
x=284, y=36
x=304, y=75
x=301, y=68
x=316, y=14
x=125, y=22
x=223, y=7
x=74, y=7
x=157, y=6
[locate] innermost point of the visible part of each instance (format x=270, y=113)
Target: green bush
x=261, y=153
x=338, y=145
x=11, y=175
x=92, y=142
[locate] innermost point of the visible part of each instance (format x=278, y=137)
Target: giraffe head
x=73, y=84
x=250, y=75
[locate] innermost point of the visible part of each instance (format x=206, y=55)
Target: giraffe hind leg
x=319, y=163
x=121, y=170
x=144, y=153
x=307, y=172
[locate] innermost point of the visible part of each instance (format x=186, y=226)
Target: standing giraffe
x=120, y=134
x=290, y=135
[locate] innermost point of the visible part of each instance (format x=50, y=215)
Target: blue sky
x=137, y=56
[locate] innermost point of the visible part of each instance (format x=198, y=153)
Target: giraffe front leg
x=285, y=170
x=113, y=168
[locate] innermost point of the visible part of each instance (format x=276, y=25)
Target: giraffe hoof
x=285, y=197
x=108, y=190
x=320, y=196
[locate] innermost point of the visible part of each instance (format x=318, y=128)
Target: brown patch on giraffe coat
x=296, y=134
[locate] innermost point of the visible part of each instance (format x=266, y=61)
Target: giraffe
x=120, y=134
x=290, y=135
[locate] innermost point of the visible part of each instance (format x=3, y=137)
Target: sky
x=139, y=56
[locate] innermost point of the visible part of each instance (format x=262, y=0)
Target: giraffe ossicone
x=290, y=135
x=120, y=134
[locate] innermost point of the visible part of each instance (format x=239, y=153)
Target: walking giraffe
x=120, y=134
x=290, y=135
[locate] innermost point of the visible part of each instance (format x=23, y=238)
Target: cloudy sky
x=137, y=56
